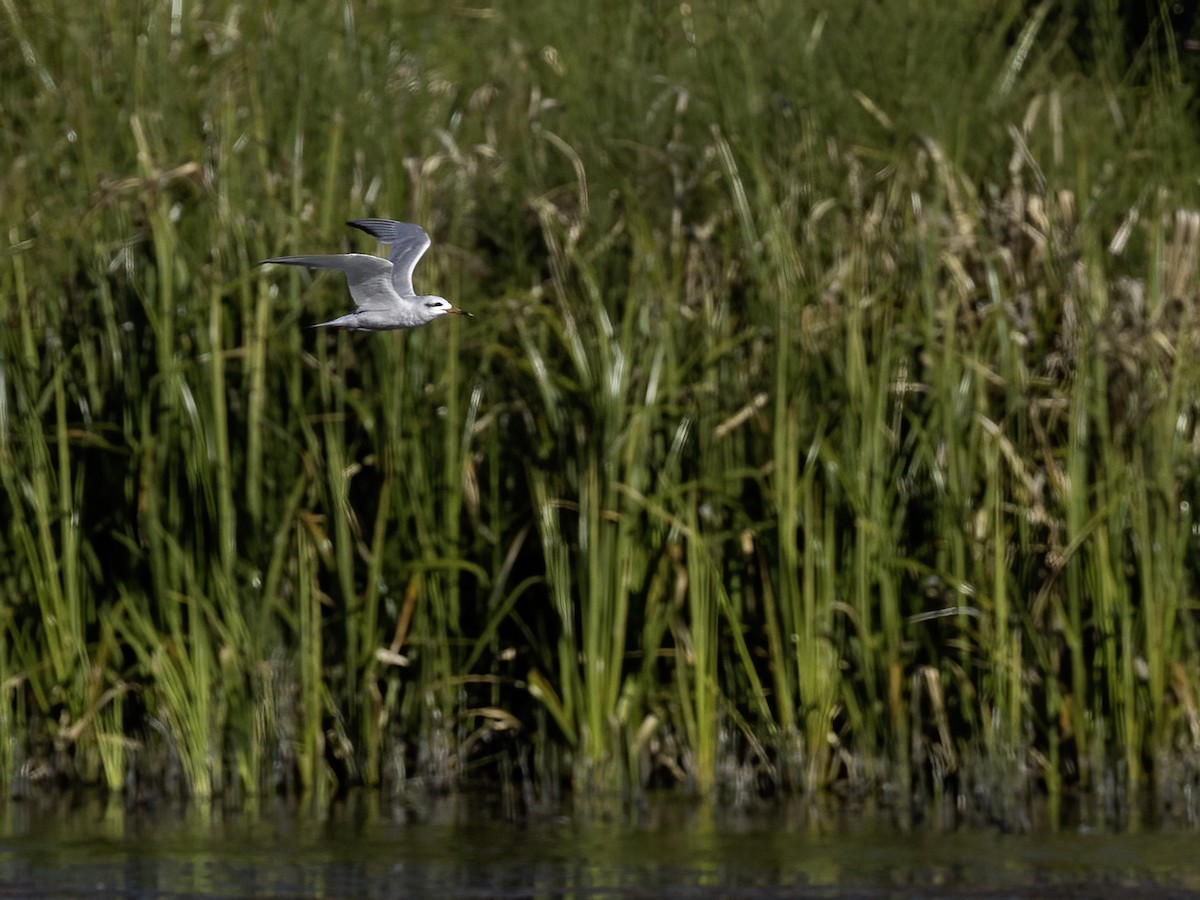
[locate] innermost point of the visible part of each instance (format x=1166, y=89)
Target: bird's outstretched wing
x=406, y=242
x=369, y=277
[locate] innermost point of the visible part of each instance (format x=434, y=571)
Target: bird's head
x=440, y=306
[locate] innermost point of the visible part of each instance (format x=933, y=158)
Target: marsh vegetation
x=828, y=420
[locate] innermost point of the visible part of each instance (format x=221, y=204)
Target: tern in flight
x=382, y=289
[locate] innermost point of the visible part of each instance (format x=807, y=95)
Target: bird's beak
x=460, y=312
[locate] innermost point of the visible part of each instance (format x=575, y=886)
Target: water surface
x=467, y=847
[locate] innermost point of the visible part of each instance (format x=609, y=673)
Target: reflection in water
x=462, y=846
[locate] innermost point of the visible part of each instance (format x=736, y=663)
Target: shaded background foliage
x=828, y=418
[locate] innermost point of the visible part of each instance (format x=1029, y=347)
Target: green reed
x=827, y=417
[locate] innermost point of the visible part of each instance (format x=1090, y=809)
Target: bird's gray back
x=406, y=242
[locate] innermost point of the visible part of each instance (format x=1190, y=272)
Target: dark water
x=460, y=847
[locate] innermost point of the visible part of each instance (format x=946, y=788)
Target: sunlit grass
x=827, y=420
